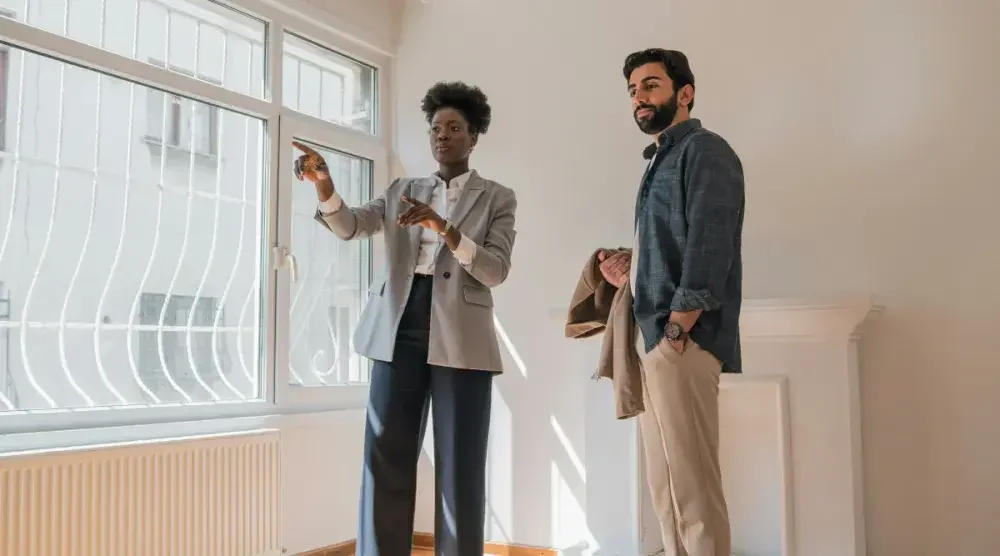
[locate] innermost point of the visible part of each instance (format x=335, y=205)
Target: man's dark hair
x=467, y=99
x=674, y=61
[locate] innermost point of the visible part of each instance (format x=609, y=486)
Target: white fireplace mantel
x=795, y=318
x=813, y=345
x=804, y=319
x=791, y=431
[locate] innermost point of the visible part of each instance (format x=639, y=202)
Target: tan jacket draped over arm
x=598, y=307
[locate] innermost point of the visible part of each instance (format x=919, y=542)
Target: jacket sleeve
x=491, y=263
x=362, y=222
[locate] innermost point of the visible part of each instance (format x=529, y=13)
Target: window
x=181, y=123
x=324, y=84
x=226, y=45
x=333, y=281
x=139, y=280
x=102, y=227
x=182, y=351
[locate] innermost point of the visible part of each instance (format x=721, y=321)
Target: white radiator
x=204, y=496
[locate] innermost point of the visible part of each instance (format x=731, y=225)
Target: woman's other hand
x=422, y=215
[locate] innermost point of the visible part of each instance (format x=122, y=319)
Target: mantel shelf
x=806, y=319
x=802, y=319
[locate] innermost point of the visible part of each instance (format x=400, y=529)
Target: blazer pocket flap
x=478, y=297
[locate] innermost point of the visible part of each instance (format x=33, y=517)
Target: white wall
x=374, y=21
x=868, y=132
x=320, y=478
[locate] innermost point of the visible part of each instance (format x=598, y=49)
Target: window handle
x=282, y=258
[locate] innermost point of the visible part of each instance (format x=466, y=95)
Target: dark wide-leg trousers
x=396, y=418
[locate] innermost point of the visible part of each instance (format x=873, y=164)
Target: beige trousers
x=680, y=436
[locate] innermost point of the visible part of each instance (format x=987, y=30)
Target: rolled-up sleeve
x=465, y=253
x=331, y=205
x=714, y=211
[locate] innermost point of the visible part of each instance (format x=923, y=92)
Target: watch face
x=674, y=331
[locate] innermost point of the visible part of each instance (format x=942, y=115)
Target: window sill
x=77, y=433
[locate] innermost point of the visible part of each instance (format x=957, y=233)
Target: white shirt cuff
x=331, y=205
x=466, y=251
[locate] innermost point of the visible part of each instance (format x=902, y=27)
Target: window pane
x=195, y=37
x=324, y=84
x=333, y=281
x=130, y=266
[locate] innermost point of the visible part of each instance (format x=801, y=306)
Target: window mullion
x=275, y=66
x=275, y=305
x=277, y=300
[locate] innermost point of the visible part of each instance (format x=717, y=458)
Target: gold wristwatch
x=447, y=228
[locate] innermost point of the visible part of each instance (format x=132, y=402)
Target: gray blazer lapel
x=470, y=194
x=422, y=189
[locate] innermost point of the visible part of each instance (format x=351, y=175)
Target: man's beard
x=663, y=116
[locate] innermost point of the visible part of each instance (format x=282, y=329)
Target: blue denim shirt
x=689, y=221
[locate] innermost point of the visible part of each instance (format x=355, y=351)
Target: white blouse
x=430, y=242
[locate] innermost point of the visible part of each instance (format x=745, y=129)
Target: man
x=685, y=271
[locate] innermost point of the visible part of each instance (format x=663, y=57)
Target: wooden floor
x=429, y=552
x=347, y=549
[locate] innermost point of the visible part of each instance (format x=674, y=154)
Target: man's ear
x=475, y=140
x=685, y=96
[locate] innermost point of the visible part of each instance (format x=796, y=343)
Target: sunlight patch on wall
x=500, y=472
x=564, y=441
x=569, y=530
x=510, y=347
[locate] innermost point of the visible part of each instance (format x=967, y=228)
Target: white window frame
x=302, y=127
x=112, y=425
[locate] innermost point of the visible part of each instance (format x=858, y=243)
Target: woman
x=429, y=327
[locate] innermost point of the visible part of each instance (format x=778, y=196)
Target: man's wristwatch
x=447, y=228
x=675, y=332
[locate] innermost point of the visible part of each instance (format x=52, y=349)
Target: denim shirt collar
x=671, y=135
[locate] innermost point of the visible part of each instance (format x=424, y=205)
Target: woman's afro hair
x=467, y=99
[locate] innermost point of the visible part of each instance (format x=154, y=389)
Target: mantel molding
x=796, y=319
x=788, y=319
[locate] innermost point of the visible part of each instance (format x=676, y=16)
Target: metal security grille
x=91, y=227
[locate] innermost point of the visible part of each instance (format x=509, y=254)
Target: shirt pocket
x=666, y=196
